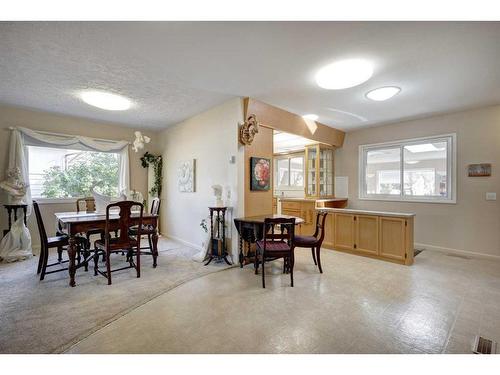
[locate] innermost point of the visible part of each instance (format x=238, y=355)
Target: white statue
x=139, y=141
x=102, y=201
x=218, y=195
x=15, y=186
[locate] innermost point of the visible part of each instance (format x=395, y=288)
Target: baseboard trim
x=184, y=242
x=199, y=248
x=456, y=251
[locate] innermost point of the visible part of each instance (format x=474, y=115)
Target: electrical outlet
x=491, y=196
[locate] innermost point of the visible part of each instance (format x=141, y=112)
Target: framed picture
x=479, y=170
x=260, y=178
x=186, y=176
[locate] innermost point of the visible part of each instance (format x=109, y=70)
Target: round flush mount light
x=344, y=74
x=383, y=93
x=310, y=116
x=106, y=100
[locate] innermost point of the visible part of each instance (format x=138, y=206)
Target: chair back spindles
x=320, y=225
x=89, y=204
x=285, y=233
x=41, y=226
x=124, y=221
x=155, y=206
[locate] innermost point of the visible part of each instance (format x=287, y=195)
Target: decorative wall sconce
x=248, y=129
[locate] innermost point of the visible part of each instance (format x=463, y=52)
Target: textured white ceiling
x=173, y=70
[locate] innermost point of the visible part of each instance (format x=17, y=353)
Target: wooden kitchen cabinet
x=344, y=234
x=308, y=212
x=392, y=238
x=381, y=235
x=367, y=234
x=329, y=232
x=319, y=174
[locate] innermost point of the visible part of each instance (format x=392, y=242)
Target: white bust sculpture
x=218, y=195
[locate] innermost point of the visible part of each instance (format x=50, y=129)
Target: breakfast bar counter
x=375, y=234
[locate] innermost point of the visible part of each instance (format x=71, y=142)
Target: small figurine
x=14, y=186
x=139, y=141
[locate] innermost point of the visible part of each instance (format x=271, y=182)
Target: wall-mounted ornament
x=479, y=170
x=139, y=141
x=186, y=176
x=248, y=129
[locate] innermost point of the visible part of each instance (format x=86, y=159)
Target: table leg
x=240, y=233
x=72, y=256
x=155, y=247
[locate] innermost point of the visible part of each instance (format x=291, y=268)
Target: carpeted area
x=48, y=316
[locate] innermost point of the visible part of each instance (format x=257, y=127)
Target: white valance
x=39, y=138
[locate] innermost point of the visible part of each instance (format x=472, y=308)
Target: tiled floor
x=358, y=305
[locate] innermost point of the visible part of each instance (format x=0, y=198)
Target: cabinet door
x=344, y=231
x=392, y=238
x=293, y=212
x=308, y=214
x=367, y=234
x=329, y=230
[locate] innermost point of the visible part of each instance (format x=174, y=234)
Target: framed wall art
x=186, y=176
x=260, y=169
x=479, y=170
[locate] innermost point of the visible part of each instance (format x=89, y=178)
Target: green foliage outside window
x=86, y=171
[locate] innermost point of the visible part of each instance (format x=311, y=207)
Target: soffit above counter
x=279, y=119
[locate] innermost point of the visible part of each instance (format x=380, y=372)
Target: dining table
x=73, y=223
x=251, y=229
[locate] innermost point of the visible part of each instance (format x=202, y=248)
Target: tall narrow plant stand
x=218, y=248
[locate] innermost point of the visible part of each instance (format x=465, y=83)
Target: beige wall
x=11, y=116
x=472, y=224
x=210, y=138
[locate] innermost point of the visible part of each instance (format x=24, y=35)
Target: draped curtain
x=22, y=137
x=18, y=158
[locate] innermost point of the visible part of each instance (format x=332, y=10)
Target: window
x=289, y=172
x=67, y=173
x=420, y=170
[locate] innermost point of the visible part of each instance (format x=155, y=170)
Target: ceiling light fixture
x=344, y=74
x=310, y=116
x=106, y=100
x=383, y=93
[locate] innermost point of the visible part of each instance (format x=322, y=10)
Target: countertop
x=311, y=199
x=366, y=212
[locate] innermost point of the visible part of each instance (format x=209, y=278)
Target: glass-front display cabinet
x=319, y=171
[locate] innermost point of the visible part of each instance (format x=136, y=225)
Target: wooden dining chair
x=277, y=243
x=123, y=242
x=89, y=204
x=148, y=229
x=315, y=241
x=59, y=242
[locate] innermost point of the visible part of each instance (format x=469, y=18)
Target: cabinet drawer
x=290, y=205
x=291, y=212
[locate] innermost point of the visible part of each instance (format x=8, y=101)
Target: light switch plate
x=491, y=196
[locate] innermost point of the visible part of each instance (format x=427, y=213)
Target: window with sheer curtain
x=419, y=170
x=70, y=173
